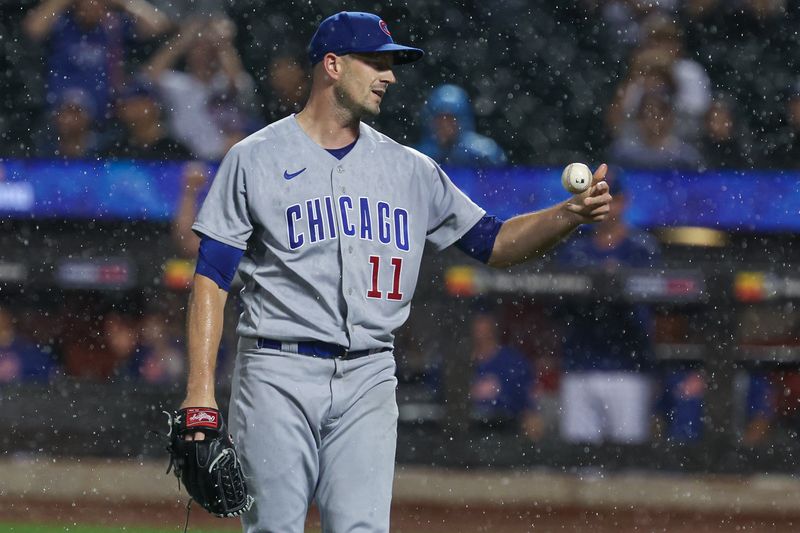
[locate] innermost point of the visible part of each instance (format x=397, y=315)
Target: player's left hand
x=594, y=203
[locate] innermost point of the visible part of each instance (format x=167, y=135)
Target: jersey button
x=350, y=249
x=340, y=169
x=350, y=291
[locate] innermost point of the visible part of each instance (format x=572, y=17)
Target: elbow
x=496, y=262
x=499, y=258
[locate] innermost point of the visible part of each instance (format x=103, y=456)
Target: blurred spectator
x=195, y=179
x=20, y=361
x=661, y=52
x=788, y=399
x=287, y=86
x=750, y=52
x=103, y=355
x=503, y=380
x=88, y=42
x=725, y=144
x=759, y=407
x=160, y=359
x=682, y=404
x=209, y=102
x=623, y=19
x=143, y=135
x=606, y=386
x=784, y=142
x=449, y=135
x=181, y=10
x=71, y=133
x=654, y=147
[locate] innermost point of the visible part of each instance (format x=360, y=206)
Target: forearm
x=203, y=333
x=182, y=234
x=531, y=235
x=168, y=55
x=148, y=19
x=39, y=21
x=231, y=63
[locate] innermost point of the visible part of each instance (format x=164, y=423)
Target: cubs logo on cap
x=351, y=32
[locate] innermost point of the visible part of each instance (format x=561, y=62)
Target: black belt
x=323, y=350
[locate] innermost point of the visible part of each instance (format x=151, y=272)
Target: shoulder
x=280, y=134
x=388, y=146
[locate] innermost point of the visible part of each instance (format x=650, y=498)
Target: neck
x=327, y=122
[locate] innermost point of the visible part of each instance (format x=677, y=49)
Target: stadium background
x=92, y=248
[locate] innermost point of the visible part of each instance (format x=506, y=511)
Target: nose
x=388, y=77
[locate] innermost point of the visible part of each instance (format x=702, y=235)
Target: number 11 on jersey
x=397, y=266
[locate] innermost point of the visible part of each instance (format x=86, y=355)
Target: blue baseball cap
x=354, y=32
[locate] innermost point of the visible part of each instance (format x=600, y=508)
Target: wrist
x=570, y=218
x=199, y=401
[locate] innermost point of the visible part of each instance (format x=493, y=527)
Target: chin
x=371, y=110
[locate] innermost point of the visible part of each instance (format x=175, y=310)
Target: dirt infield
x=128, y=493
x=410, y=518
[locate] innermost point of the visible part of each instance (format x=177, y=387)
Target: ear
x=333, y=65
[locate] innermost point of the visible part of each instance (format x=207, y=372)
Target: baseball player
x=326, y=220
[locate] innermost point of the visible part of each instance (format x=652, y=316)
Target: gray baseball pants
x=308, y=428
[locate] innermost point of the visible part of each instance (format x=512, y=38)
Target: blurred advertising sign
x=671, y=286
x=762, y=201
x=106, y=273
x=469, y=281
x=750, y=287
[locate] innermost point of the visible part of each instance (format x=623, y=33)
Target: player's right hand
x=593, y=204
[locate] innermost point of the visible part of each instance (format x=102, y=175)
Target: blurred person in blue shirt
x=683, y=405
x=88, y=43
x=71, y=132
x=21, y=361
x=606, y=390
x=503, y=379
x=449, y=135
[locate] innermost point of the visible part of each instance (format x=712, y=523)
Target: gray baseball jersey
x=332, y=247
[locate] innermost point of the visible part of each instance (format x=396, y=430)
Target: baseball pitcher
x=326, y=220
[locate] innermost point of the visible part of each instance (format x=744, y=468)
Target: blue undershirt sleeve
x=218, y=261
x=478, y=242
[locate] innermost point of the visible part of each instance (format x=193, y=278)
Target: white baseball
x=576, y=178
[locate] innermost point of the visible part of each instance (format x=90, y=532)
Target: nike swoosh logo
x=290, y=176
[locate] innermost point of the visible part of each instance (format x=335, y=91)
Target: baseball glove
x=209, y=469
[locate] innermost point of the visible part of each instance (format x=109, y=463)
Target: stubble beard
x=351, y=109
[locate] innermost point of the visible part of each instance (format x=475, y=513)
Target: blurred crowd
x=668, y=84
x=687, y=84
